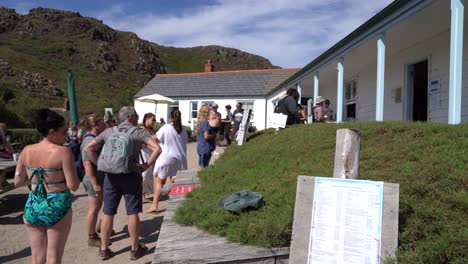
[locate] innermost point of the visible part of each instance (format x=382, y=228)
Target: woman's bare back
x=48, y=156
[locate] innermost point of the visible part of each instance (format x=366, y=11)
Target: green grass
x=429, y=161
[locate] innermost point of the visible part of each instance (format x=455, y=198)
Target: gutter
x=335, y=50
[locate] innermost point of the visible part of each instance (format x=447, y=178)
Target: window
x=193, y=110
x=246, y=105
x=351, y=99
x=208, y=103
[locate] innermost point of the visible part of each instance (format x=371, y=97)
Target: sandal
x=136, y=254
x=106, y=254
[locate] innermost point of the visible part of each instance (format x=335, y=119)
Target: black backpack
x=75, y=147
x=280, y=107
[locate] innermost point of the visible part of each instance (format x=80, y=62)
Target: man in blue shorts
x=127, y=185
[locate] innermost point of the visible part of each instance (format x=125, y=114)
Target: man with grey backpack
x=119, y=159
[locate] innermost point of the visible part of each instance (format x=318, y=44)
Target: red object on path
x=181, y=189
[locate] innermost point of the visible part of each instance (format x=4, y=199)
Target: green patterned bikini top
x=40, y=185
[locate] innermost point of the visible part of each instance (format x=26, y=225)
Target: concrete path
x=14, y=245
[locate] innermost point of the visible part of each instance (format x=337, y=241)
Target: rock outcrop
x=31, y=83
x=229, y=58
x=108, y=64
x=145, y=60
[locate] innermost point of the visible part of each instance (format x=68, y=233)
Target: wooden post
x=348, y=144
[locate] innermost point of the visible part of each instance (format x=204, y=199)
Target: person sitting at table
x=6, y=150
x=7, y=134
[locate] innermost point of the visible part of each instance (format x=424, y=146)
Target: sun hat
x=319, y=99
x=242, y=200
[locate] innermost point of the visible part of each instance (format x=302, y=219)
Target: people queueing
x=319, y=115
x=290, y=105
x=50, y=169
x=238, y=115
x=227, y=124
x=109, y=120
x=173, y=140
x=149, y=119
x=206, y=136
x=218, y=128
x=128, y=185
x=92, y=180
x=302, y=117
x=74, y=133
x=327, y=111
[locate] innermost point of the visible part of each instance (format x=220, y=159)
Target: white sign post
x=346, y=221
x=310, y=111
x=243, y=128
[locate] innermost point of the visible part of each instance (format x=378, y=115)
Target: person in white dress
x=173, y=141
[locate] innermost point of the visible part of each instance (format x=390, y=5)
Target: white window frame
x=351, y=96
x=247, y=102
x=208, y=103
x=192, y=112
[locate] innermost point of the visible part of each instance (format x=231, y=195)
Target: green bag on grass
x=243, y=200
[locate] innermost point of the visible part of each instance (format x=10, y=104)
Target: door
x=420, y=91
x=193, y=114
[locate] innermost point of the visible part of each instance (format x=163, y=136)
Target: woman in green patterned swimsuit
x=50, y=169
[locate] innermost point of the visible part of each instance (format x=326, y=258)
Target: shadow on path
x=26, y=252
x=13, y=203
x=149, y=234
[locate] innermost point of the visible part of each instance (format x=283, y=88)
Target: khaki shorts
x=89, y=186
x=166, y=170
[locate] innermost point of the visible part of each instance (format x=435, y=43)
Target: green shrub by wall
x=25, y=136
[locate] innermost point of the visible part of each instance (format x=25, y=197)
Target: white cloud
x=23, y=7
x=289, y=33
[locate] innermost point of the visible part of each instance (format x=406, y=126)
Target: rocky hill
x=110, y=66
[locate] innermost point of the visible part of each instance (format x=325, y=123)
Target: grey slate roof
x=212, y=84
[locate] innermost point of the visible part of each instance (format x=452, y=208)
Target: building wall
x=437, y=51
x=185, y=108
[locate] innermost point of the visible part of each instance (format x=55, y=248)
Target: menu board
x=346, y=221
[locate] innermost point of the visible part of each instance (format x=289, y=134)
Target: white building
x=188, y=91
x=405, y=63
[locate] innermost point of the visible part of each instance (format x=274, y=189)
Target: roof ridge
x=226, y=72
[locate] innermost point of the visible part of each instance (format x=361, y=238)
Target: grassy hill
x=110, y=66
x=178, y=60
x=429, y=161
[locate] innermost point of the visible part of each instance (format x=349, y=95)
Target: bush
x=25, y=136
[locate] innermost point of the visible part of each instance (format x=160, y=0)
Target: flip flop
x=155, y=211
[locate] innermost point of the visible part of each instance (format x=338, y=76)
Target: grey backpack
x=117, y=152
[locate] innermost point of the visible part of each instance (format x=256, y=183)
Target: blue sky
x=290, y=33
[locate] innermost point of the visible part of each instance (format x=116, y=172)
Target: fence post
x=348, y=144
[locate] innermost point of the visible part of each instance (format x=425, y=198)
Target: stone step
x=187, y=177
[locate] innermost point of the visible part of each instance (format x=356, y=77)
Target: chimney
x=208, y=66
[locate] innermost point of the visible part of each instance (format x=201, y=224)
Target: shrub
x=25, y=136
